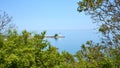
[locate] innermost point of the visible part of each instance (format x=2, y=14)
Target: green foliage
x=27, y=50
x=106, y=54
x=107, y=16
x=55, y=35
x=97, y=56
x=86, y=5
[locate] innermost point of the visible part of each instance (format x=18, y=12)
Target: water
x=73, y=39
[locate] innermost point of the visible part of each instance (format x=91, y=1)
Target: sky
x=54, y=16
x=35, y=15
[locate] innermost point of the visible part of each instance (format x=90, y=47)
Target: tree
x=27, y=50
x=93, y=55
x=5, y=21
x=107, y=15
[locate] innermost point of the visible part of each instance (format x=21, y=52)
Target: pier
x=54, y=36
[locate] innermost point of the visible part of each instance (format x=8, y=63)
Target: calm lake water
x=73, y=39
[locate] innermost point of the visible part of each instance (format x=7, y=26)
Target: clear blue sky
x=38, y=15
